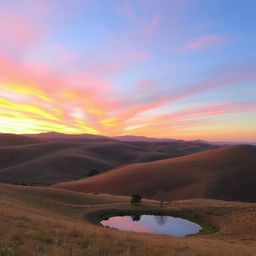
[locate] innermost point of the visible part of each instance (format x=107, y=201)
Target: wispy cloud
x=115, y=87
x=183, y=121
x=203, y=42
x=152, y=25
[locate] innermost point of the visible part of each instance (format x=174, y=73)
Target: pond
x=153, y=224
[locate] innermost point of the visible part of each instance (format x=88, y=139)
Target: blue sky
x=181, y=69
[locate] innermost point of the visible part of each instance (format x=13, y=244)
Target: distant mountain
x=62, y=137
x=132, y=138
x=226, y=143
x=227, y=173
x=86, y=137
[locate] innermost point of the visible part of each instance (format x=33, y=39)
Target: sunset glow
x=179, y=69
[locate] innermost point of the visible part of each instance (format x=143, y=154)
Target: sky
x=183, y=69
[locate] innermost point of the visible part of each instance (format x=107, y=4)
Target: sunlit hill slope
x=39, y=161
x=227, y=173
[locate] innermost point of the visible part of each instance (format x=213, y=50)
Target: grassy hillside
x=227, y=173
x=50, y=163
x=49, y=222
x=174, y=149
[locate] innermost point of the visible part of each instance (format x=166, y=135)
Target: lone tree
x=136, y=199
x=160, y=196
x=92, y=173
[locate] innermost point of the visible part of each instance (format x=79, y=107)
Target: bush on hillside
x=136, y=199
x=92, y=173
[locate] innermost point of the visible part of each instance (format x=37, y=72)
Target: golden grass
x=51, y=222
x=226, y=173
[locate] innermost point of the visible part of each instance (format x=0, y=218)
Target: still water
x=153, y=224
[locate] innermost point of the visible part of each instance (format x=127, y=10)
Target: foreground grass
x=44, y=221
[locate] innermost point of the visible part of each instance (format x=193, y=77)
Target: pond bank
x=96, y=217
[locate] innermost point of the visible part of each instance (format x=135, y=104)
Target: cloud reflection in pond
x=153, y=224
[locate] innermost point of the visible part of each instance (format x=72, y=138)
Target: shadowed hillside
x=62, y=137
x=175, y=148
x=227, y=173
x=49, y=163
x=7, y=139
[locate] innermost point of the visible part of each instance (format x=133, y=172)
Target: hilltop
x=227, y=173
x=52, y=160
x=8, y=139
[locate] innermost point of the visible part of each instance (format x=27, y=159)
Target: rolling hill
x=62, y=137
x=227, y=173
x=37, y=161
x=174, y=149
x=8, y=139
x=53, y=222
x=49, y=163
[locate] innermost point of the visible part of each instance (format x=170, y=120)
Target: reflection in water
x=153, y=224
x=161, y=220
x=135, y=217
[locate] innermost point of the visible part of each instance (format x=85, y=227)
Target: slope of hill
x=8, y=139
x=52, y=222
x=227, y=173
x=174, y=149
x=50, y=163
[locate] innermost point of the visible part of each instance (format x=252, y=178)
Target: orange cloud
x=81, y=102
x=68, y=93
x=182, y=122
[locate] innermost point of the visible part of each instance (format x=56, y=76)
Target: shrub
x=136, y=199
x=92, y=173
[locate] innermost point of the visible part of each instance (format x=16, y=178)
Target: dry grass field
x=50, y=222
x=28, y=160
x=226, y=173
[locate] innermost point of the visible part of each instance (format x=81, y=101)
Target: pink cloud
x=127, y=224
x=152, y=25
x=151, y=99
x=215, y=109
x=73, y=87
x=172, y=122
x=123, y=56
x=203, y=42
x=17, y=33
x=222, y=77
x=146, y=83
